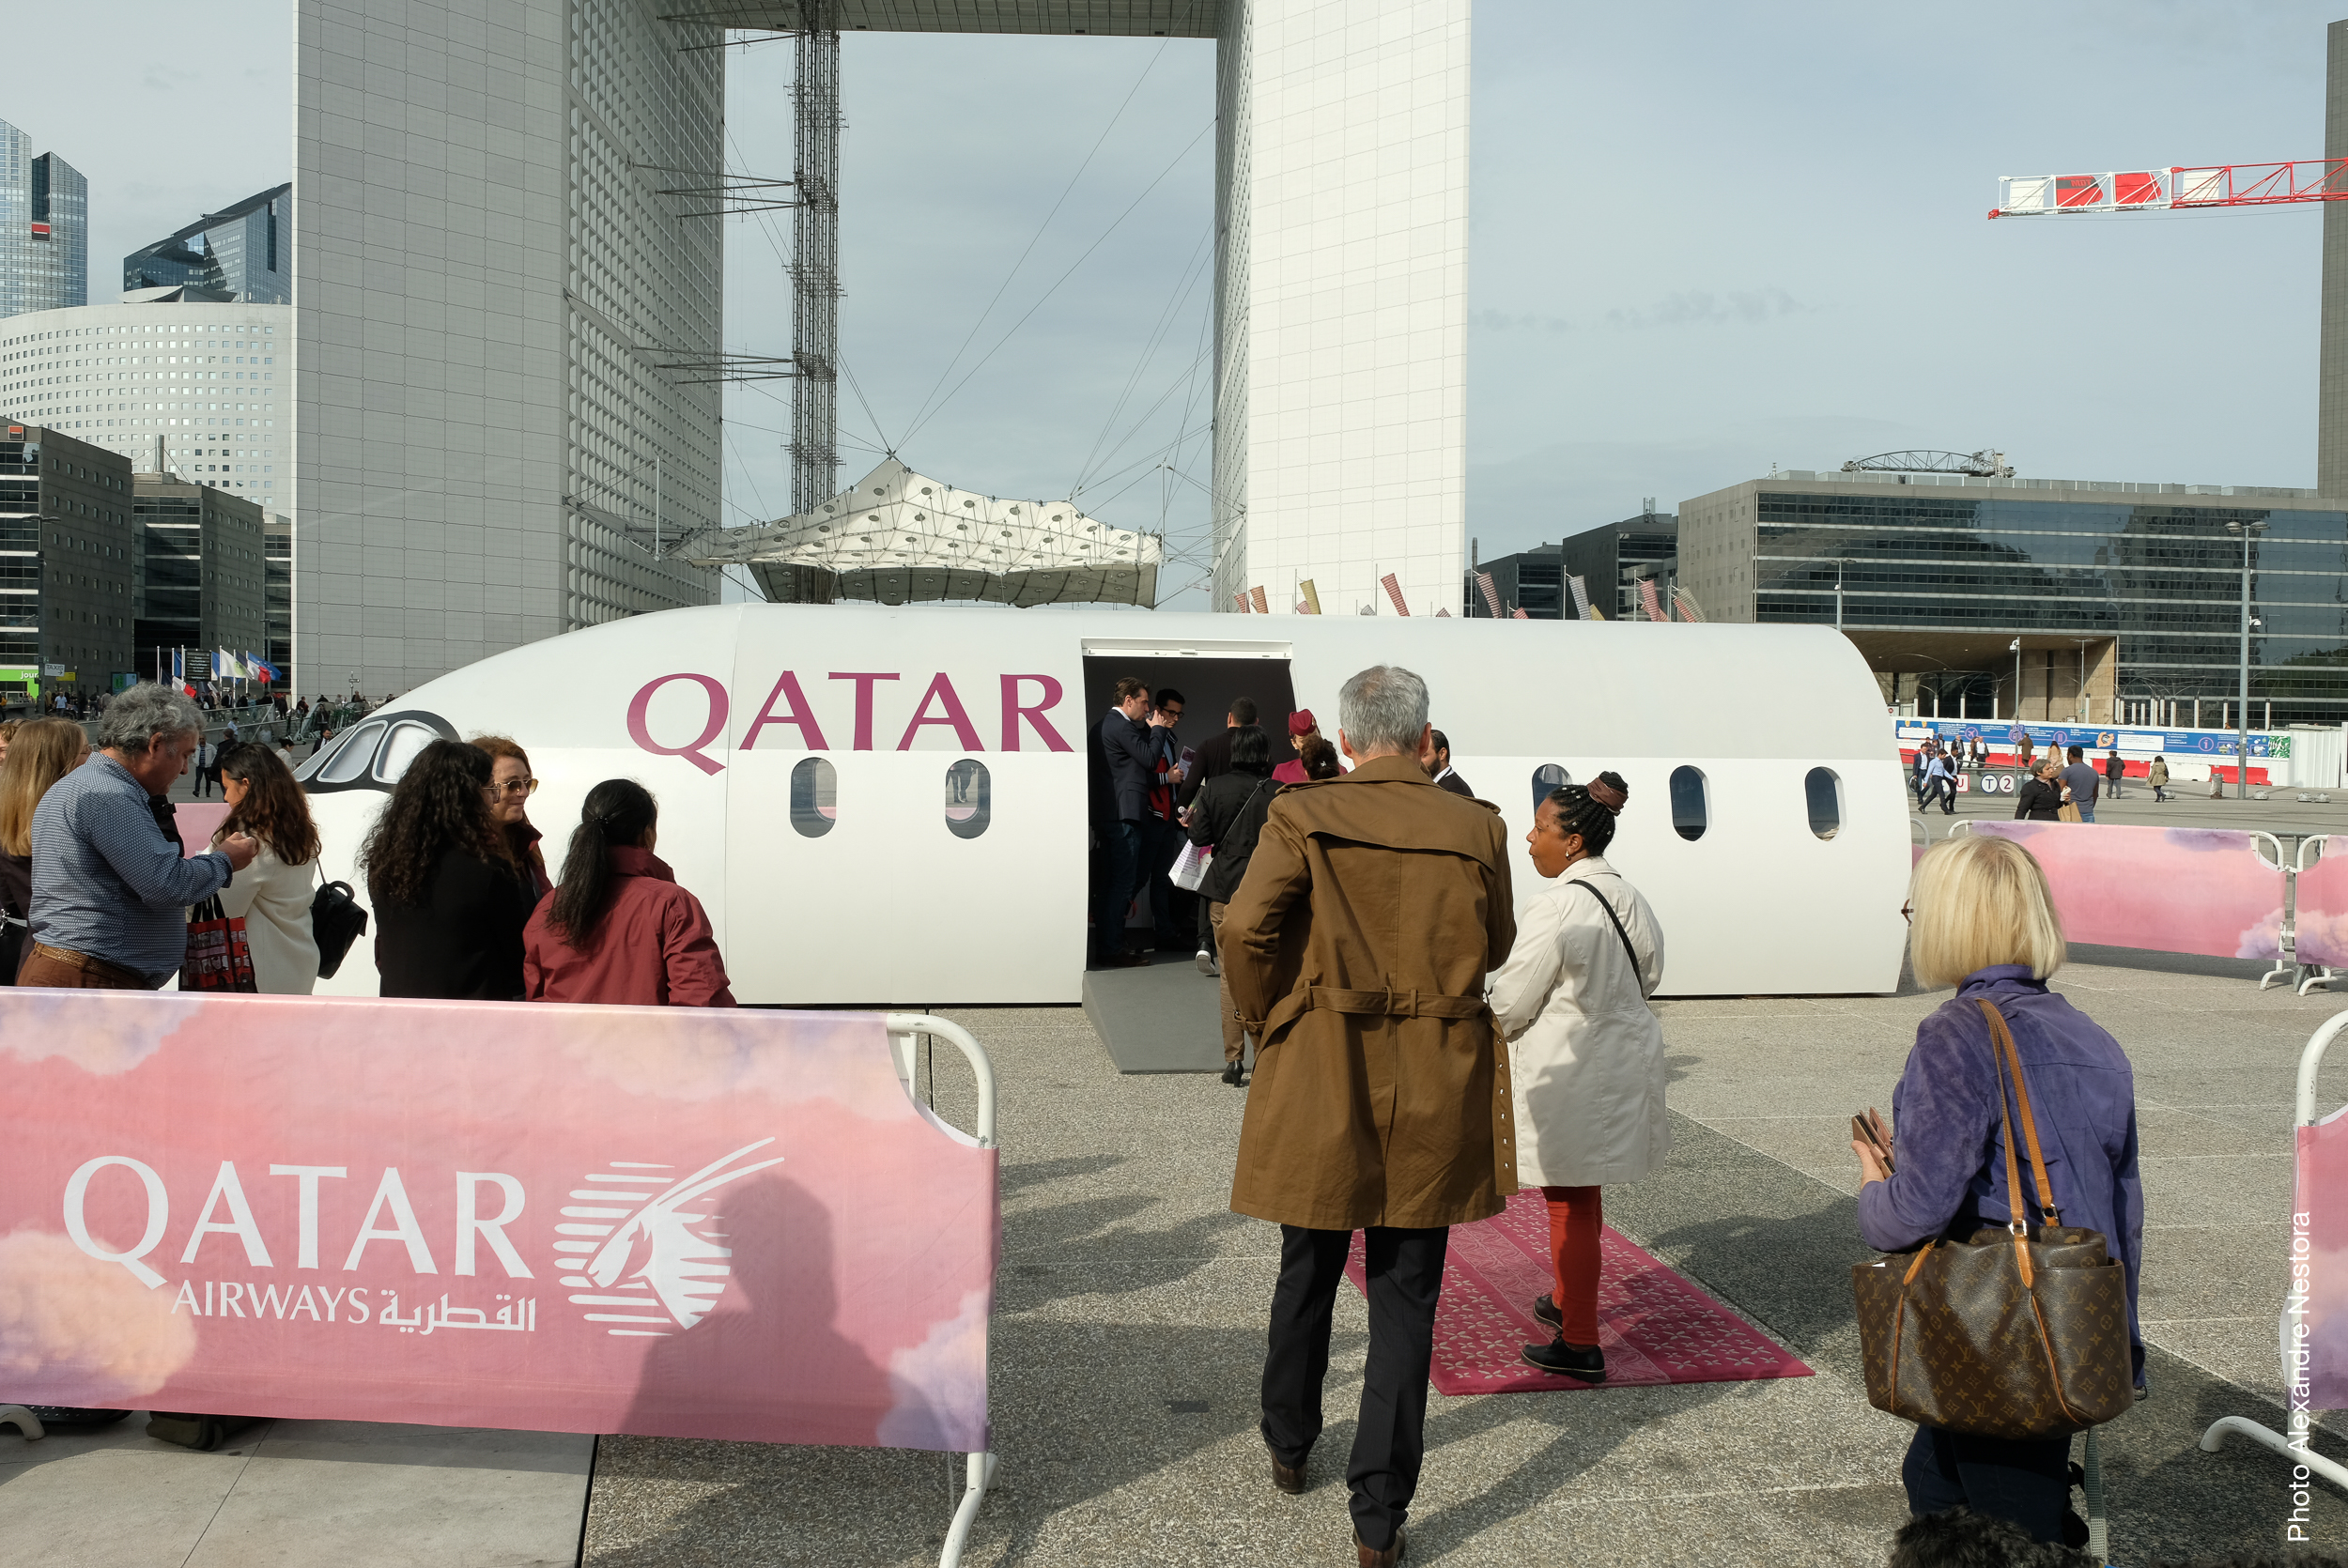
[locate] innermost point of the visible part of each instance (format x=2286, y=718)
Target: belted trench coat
x=1356, y=948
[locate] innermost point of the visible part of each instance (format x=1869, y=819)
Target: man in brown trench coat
x=1358, y=949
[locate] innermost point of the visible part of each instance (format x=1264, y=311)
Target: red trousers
x=1576, y=1215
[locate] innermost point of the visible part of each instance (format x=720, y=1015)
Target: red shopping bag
x=219, y=956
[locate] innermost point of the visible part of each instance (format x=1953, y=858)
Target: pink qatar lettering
x=942, y=692
x=801, y=712
x=863, y=678
x=691, y=752
x=1013, y=710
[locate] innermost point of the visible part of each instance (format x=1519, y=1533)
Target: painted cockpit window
x=1691, y=805
x=814, y=797
x=969, y=802
x=1824, y=790
x=373, y=755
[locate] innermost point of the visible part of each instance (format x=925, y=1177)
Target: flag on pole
x=1649, y=601
x=1243, y=606
x=1442, y=614
x=1394, y=592
x=262, y=669
x=1520, y=614
x=1687, y=605
x=1312, y=596
x=1263, y=605
x=1492, y=593
x=1581, y=598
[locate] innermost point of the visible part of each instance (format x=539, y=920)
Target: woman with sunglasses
x=511, y=784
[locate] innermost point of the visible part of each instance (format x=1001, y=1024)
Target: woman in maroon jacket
x=618, y=927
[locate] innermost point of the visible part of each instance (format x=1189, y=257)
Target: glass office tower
x=243, y=256
x=44, y=228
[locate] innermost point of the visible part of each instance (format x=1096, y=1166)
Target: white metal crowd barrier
x=2311, y=1060
x=903, y=1030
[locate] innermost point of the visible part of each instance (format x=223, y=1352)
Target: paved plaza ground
x=1129, y=1332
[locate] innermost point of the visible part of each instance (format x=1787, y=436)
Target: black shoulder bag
x=1615, y=920
x=337, y=921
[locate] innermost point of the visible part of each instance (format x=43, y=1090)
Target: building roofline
x=213, y=219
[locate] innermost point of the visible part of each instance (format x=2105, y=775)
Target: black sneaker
x=1546, y=1310
x=1587, y=1362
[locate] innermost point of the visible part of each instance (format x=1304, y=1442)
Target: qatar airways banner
x=671, y=1222
x=2170, y=889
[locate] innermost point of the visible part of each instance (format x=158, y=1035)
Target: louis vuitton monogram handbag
x=2020, y=1332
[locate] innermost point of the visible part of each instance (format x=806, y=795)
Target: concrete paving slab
x=116, y=1497
x=1161, y=1018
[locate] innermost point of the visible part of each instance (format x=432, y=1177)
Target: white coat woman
x=272, y=895
x=1586, y=1054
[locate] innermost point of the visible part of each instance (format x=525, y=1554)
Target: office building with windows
x=240, y=255
x=69, y=561
x=204, y=584
x=2125, y=598
x=1531, y=580
x=1611, y=559
x=44, y=228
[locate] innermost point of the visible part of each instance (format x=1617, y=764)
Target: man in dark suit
x=1441, y=774
x=1119, y=776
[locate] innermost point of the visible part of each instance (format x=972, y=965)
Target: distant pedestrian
x=1173, y=911
x=450, y=900
x=2114, y=770
x=512, y=784
x=272, y=895
x=206, y=762
x=44, y=751
x=2040, y=798
x=111, y=888
x=1940, y=783
x=1213, y=760
x=1226, y=817
x=1445, y=775
x=1381, y=1098
x=2083, y=782
x=618, y=929
x=2157, y=777
x=1585, y=1051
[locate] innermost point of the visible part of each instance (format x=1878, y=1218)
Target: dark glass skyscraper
x=44, y=228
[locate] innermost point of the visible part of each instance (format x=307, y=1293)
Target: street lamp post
x=2242, y=719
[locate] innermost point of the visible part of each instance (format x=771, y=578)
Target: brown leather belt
x=90, y=965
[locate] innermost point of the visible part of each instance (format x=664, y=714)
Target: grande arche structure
x=502, y=316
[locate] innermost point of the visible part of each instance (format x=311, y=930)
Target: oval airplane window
x=814, y=797
x=349, y=761
x=1546, y=780
x=1689, y=804
x=968, y=798
x=1825, y=802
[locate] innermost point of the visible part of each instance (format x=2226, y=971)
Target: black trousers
x=1405, y=1269
x=2028, y=1482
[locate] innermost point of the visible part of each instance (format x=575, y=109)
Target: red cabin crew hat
x=1301, y=723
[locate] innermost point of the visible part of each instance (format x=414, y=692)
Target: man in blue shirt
x=110, y=890
x=2085, y=782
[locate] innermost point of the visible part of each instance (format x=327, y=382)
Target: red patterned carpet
x=1655, y=1326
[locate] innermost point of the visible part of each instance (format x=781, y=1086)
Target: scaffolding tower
x=815, y=259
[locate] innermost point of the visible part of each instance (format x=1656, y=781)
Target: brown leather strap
x=2008, y=1058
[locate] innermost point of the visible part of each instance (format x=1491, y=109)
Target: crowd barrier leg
x=2303, y=1114
x=904, y=1029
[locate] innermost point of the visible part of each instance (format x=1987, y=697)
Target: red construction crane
x=2310, y=179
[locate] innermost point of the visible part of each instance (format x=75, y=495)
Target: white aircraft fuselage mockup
x=889, y=806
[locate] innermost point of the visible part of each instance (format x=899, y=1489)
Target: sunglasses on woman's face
x=515, y=786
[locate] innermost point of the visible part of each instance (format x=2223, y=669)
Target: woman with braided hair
x=617, y=927
x=1585, y=1051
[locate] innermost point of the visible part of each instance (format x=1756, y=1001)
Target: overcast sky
x=1706, y=238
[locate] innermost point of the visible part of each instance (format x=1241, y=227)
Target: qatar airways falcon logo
x=651, y=1257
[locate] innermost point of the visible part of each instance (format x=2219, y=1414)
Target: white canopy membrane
x=899, y=537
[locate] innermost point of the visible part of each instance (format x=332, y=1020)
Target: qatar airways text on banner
x=672, y=1222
